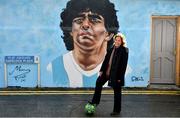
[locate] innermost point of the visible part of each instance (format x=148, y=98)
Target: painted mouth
x=85, y=43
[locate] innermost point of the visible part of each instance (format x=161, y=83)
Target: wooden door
x=163, y=51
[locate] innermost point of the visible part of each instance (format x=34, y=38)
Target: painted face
x=117, y=41
x=88, y=32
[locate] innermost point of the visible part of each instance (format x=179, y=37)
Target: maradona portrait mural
x=88, y=27
x=70, y=39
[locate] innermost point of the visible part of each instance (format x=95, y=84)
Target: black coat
x=118, y=66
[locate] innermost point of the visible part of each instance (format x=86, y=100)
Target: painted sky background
x=31, y=27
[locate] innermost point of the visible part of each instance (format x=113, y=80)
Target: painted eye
x=78, y=20
x=95, y=20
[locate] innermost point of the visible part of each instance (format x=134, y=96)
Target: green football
x=90, y=109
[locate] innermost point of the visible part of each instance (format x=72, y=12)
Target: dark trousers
x=97, y=94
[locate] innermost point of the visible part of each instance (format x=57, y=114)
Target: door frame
x=177, y=56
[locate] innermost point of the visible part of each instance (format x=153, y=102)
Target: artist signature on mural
x=135, y=79
x=19, y=73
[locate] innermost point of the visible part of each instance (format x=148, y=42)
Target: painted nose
x=86, y=24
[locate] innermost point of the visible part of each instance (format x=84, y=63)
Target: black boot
x=115, y=113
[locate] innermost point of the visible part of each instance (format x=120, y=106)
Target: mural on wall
x=22, y=75
x=21, y=71
x=86, y=27
x=31, y=27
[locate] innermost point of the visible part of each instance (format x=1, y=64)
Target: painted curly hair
x=102, y=7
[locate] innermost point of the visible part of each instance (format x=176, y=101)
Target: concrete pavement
x=70, y=103
x=73, y=106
